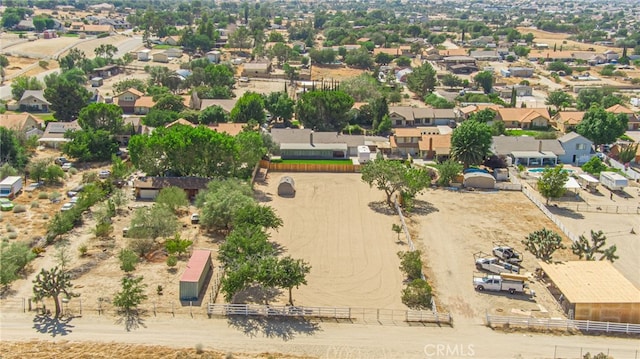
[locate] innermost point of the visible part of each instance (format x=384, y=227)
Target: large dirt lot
x=334, y=223
x=551, y=38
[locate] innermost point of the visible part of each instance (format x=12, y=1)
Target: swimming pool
x=540, y=170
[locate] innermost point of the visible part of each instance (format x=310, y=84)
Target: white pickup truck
x=507, y=254
x=494, y=265
x=512, y=283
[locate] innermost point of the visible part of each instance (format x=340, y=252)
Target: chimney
x=430, y=143
x=311, y=138
x=540, y=146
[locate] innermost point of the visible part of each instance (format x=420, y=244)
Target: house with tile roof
x=524, y=118
x=634, y=121
x=22, y=122
x=566, y=121
x=34, y=101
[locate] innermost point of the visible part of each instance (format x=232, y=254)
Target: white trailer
x=10, y=186
x=613, y=181
x=364, y=154
x=588, y=183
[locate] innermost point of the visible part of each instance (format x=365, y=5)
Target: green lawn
x=314, y=162
x=45, y=117
x=70, y=35
x=164, y=47
x=533, y=133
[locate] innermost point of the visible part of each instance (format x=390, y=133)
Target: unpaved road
x=323, y=340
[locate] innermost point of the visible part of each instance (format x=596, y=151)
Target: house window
x=581, y=146
x=398, y=122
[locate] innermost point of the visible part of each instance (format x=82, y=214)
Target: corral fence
x=365, y=315
x=312, y=167
x=564, y=324
x=508, y=186
x=532, y=196
x=602, y=208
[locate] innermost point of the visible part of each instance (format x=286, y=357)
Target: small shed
x=160, y=57
x=593, y=290
x=97, y=82
x=286, y=187
x=193, y=279
x=143, y=55
x=479, y=180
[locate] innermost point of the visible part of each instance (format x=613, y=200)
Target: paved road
x=325, y=340
x=128, y=45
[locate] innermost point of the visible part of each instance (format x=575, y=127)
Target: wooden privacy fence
x=312, y=167
x=367, y=315
x=566, y=324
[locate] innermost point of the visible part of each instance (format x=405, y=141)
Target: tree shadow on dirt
x=46, y=324
x=382, y=207
x=257, y=294
x=131, y=319
x=273, y=327
x=565, y=212
x=262, y=196
x=278, y=248
x=422, y=208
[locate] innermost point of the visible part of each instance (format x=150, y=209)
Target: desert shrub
x=20, y=208
x=44, y=64
x=35, y=204
x=73, y=171
x=12, y=235
x=411, y=264
x=82, y=249
x=10, y=228
x=37, y=250
x=141, y=246
x=1, y=218
x=417, y=295
x=43, y=195
x=45, y=216
x=103, y=229
x=54, y=195
x=128, y=260
x=89, y=177
x=172, y=261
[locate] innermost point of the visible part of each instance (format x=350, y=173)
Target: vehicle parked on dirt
x=33, y=186
x=104, y=174
x=74, y=192
x=512, y=283
x=10, y=187
x=494, y=265
x=67, y=166
x=195, y=218
x=507, y=254
x=5, y=204
x=66, y=207
x=60, y=161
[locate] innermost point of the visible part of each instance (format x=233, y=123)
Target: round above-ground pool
x=540, y=170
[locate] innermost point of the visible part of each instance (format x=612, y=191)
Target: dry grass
x=338, y=73
x=64, y=349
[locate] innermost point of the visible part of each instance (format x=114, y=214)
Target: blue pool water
x=540, y=170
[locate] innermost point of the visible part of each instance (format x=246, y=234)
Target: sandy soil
x=333, y=223
x=44, y=47
x=337, y=73
x=552, y=38
x=451, y=226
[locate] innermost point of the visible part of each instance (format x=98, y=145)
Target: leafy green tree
x=411, y=264
x=51, y=284
x=559, y=99
x=177, y=245
x=126, y=84
x=559, y=66
x=393, y=177
x=128, y=260
x=105, y=50
x=359, y=58
x=422, y=80
x=385, y=126
x=221, y=202
x=119, y=169
x=292, y=273
x=280, y=105
x=11, y=151
x=159, y=118
x=21, y=84
x=250, y=150
x=101, y=116
x=67, y=98
x=484, y=116
x=212, y=114
x=53, y=174
x=447, y=171
x=470, y=142
x=485, y=80
x=7, y=170
x=611, y=100
x=543, y=243
x=173, y=198
x=403, y=61
x=451, y=80
x=244, y=244
x=551, y=183
x=594, y=166
x=438, y=102
x=588, y=97
x=158, y=221
x=13, y=258
x=522, y=51
x=90, y=145
x=417, y=294
x=249, y=107
x=589, y=249
x=37, y=169
x=73, y=59
x=601, y=126
x=257, y=215
x=169, y=102
x=324, y=110
x=324, y=56
x=132, y=294
x=363, y=88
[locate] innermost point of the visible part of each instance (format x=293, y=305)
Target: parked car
x=60, y=161
x=513, y=283
x=66, y=207
x=5, y=204
x=74, y=200
x=104, y=174
x=507, y=254
x=67, y=166
x=74, y=192
x=32, y=187
x=195, y=218
x=494, y=265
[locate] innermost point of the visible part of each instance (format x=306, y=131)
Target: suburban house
x=33, y=101
x=435, y=147
x=230, y=128
x=148, y=188
x=527, y=150
x=305, y=143
x=466, y=111
x=143, y=105
x=21, y=122
x=106, y=71
x=226, y=104
x=407, y=116
x=127, y=99
x=102, y=7
x=578, y=150
x=517, y=72
x=524, y=117
x=507, y=91
x=394, y=52
x=54, y=133
x=256, y=69
x=634, y=122
x=91, y=29
x=566, y=121
x=482, y=55
x=132, y=126
x=171, y=40
x=405, y=141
